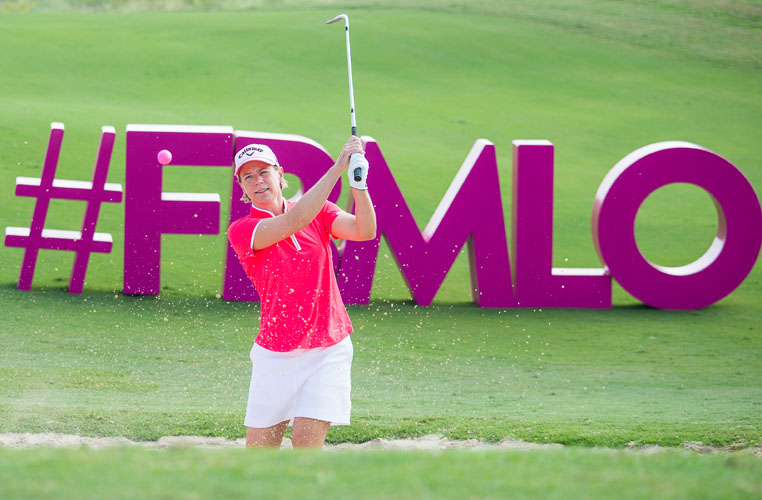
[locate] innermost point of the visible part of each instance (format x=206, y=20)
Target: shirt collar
x=254, y=207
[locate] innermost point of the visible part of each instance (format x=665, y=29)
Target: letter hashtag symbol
x=46, y=187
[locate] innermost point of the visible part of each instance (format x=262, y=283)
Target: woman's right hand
x=353, y=145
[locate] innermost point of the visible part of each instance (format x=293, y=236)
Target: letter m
x=471, y=212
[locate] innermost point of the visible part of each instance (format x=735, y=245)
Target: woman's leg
x=309, y=432
x=270, y=437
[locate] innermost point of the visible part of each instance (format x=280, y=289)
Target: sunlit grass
x=106, y=364
x=559, y=474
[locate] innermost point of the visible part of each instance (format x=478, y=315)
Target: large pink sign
x=730, y=257
x=46, y=187
x=470, y=215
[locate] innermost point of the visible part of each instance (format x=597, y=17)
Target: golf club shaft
x=358, y=171
x=351, y=87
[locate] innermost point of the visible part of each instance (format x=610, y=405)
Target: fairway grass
x=599, y=79
x=179, y=365
x=105, y=364
x=559, y=474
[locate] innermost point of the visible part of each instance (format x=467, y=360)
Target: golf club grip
x=358, y=171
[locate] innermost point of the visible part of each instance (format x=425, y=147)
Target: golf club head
x=340, y=16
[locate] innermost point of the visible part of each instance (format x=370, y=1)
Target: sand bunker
x=427, y=443
x=431, y=442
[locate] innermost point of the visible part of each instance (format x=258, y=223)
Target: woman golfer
x=302, y=356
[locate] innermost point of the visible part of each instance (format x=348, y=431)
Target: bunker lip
x=431, y=442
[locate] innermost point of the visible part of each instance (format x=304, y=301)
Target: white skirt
x=311, y=383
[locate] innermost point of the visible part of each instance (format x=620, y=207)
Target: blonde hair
x=283, y=184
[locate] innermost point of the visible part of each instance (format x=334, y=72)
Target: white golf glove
x=358, y=171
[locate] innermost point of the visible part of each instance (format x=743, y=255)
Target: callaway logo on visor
x=250, y=151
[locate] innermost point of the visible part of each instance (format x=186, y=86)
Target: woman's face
x=261, y=183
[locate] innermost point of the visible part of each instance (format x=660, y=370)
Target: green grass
x=516, y=79
x=110, y=365
x=725, y=32
x=595, y=100
x=576, y=474
x=598, y=79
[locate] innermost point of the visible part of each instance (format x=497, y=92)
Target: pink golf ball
x=164, y=157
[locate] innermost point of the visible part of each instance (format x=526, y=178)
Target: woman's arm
x=272, y=230
x=358, y=227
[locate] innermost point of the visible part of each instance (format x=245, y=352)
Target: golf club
x=357, y=175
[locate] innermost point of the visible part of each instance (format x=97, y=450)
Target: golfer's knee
x=309, y=433
x=270, y=437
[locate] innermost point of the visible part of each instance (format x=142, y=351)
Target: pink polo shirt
x=301, y=304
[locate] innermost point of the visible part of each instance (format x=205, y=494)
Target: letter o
x=731, y=255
